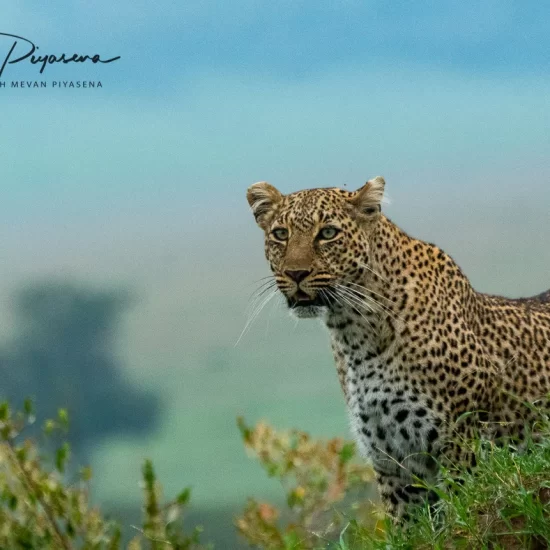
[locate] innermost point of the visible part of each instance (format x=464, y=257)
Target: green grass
x=504, y=504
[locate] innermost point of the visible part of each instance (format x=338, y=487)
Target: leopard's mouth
x=303, y=299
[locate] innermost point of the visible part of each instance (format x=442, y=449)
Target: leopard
x=425, y=362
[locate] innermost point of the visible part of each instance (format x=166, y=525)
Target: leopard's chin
x=308, y=311
x=304, y=306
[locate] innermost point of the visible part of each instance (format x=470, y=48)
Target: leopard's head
x=317, y=240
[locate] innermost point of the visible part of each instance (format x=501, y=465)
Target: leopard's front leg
x=404, y=456
x=400, y=493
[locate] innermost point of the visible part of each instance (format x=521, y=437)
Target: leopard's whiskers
x=362, y=287
x=364, y=303
x=271, y=281
x=365, y=292
x=259, y=292
x=369, y=268
x=373, y=300
x=257, y=308
x=351, y=301
x=360, y=296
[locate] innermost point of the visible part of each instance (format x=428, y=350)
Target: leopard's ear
x=368, y=198
x=263, y=198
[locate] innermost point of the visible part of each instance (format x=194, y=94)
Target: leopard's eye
x=280, y=233
x=328, y=233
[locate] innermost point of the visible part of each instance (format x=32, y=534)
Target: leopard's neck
x=404, y=280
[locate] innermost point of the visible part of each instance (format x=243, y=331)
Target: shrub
x=503, y=504
x=324, y=485
x=40, y=508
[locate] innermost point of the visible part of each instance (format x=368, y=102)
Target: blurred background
x=127, y=250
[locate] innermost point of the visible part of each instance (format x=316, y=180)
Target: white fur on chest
x=391, y=425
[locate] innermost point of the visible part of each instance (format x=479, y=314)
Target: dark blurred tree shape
x=64, y=352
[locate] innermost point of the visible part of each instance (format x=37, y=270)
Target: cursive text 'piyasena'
x=18, y=43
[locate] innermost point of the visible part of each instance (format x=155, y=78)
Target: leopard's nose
x=297, y=275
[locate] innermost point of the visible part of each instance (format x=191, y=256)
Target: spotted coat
x=425, y=362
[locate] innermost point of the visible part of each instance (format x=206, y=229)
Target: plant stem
x=31, y=488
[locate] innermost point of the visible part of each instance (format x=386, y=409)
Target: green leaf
x=21, y=453
x=28, y=407
x=347, y=452
x=49, y=427
x=4, y=411
x=292, y=541
x=61, y=456
x=70, y=529
x=246, y=432
x=343, y=544
x=148, y=474
x=86, y=473
x=63, y=417
x=183, y=498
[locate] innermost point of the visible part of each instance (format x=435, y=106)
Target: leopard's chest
x=392, y=423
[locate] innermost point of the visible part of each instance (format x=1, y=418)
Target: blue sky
x=171, y=40
x=142, y=183
x=450, y=102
